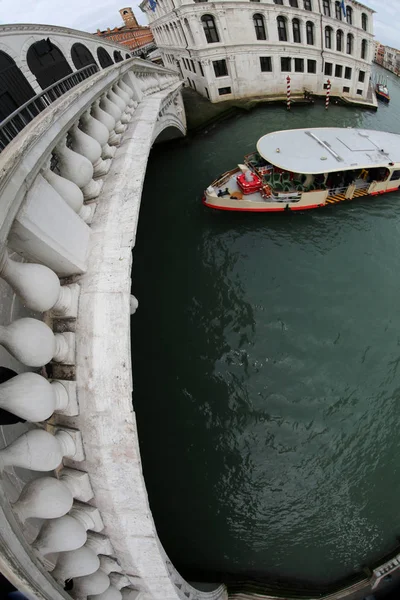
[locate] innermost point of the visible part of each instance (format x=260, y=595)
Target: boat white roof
x=328, y=149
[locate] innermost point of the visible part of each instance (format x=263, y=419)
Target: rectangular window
x=220, y=68
x=299, y=65
x=285, y=64
x=224, y=91
x=311, y=66
x=347, y=73
x=208, y=95
x=265, y=64
x=361, y=76
x=395, y=175
x=327, y=8
x=338, y=71
x=185, y=63
x=194, y=85
x=201, y=69
x=328, y=69
x=278, y=2
x=193, y=67
x=346, y=90
x=294, y=3
x=359, y=92
x=338, y=11
x=307, y=5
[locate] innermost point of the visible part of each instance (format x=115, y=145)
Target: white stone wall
x=16, y=40
x=179, y=34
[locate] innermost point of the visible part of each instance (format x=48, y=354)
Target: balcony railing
x=16, y=121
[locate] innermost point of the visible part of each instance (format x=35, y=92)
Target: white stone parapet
x=69, y=215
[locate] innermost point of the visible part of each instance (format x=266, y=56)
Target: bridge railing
x=54, y=171
x=17, y=120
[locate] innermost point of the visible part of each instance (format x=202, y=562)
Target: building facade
x=133, y=36
x=235, y=49
x=388, y=57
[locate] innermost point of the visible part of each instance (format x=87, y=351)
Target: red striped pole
x=288, y=92
x=328, y=91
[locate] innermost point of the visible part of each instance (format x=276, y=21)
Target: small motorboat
x=301, y=169
x=382, y=92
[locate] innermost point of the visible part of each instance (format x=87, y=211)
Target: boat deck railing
x=12, y=125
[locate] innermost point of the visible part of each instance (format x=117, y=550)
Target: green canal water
x=266, y=361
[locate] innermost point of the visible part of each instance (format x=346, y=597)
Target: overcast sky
x=101, y=14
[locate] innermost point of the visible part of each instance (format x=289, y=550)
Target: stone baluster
x=32, y=397
x=71, y=193
x=128, y=91
x=99, y=132
x=114, y=110
x=112, y=593
x=118, y=91
x=60, y=535
x=125, y=116
x=37, y=285
x=133, y=304
x=38, y=450
x=78, y=169
x=95, y=583
x=43, y=498
x=90, y=148
x=108, y=121
x=33, y=343
x=132, y=82
x=76, y=563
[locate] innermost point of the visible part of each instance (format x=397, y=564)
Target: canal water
x=267, y=365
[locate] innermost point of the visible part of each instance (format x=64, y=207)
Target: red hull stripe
x=384, y=191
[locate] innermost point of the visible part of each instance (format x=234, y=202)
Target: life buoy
x=266, y=191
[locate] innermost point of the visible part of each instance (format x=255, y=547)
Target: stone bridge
x=75, y=520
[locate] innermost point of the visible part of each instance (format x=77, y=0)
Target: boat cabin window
x=395, y=175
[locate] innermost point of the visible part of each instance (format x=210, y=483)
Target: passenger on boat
x=221, y=193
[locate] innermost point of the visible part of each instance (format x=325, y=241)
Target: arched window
x=259, y=26
x=117, y=56
x=127, y=56
x=282, y=31
x=339, y=40
x=13, y=80
x=328, y=37
x=310, y=33
x=350, y=39
x=81, y=56
x=210, y=29
x=47, y=63
x=349, y=15
x=364, y=48
x=338, y=10
x=364, y=22
x=105, y=59
x=296, y=31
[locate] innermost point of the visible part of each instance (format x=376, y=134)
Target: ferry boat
x=302, y=169
x=382, y=92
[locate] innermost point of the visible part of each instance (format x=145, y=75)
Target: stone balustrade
x=56, y=197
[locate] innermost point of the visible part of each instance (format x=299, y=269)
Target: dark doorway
x=15, y=89
x=47, y=63
x=81, y=56
x=105, y=59
x=117, y=56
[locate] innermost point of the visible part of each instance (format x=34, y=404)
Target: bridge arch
x=81, y=56
x=105, y=59
x=47, y=62
x=15, y=89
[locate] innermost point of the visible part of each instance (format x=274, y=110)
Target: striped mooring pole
x=328, y=91
x=288, y=92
